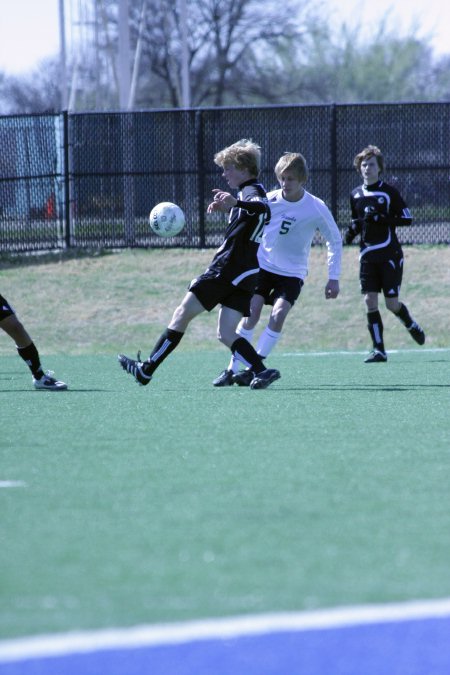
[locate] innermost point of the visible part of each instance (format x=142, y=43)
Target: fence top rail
x=91, y=178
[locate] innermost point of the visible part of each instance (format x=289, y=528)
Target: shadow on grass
x=66, y=392
x=34, y=258
x=365, y=387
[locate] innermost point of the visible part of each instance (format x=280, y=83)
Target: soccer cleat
x=225, y=379
x=376, y=356
x=243, y=378
x=417, y=333
x=47, y=381
x=264, y=378
x=134, y=368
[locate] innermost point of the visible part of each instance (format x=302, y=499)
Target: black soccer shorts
x=5, y=308
x=273, y=286
x=212, y=291
x=383, y=276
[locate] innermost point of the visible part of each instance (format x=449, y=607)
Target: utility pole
x=137, y=56
x=124, y=55
x=62, y=57
x=185, y=79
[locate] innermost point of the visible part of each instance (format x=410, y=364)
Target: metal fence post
x=333, y=153
x=200, y=176
x=66, y=179
x=127, y=139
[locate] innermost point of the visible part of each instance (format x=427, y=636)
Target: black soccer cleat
x=263, y=379
x=417, y=333
x=225, y=379
x=243, y=378
x=376, y=356
x=134, y=368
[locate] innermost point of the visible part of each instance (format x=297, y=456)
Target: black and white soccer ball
x=167, y=219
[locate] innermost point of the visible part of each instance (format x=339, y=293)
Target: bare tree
x=34, y=93
x=239, y=52
x=226, y=38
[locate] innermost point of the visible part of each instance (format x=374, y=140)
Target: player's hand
x=214, y=206
x=223, y=201
x=332, y=289
x=348, y=236
x=372, y=216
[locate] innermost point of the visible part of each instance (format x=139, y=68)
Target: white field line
x=12, y=483
x=42, y=646
x=351, y=353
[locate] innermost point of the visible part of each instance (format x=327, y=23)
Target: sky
x=29, y=29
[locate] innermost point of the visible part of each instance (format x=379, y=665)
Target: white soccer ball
x=166, y=219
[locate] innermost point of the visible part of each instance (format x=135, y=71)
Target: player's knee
x=255, y=315
x=277, y=318
x=180, y=319
x=250, y=321
x=16, y=330
x=371, y=301
x=393, y=305
x=256, y=306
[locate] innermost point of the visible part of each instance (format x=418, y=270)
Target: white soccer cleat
x=47, y=381
x=376, y=356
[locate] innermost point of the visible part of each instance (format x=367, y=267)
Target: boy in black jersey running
x=377, y=209
x=230, y=279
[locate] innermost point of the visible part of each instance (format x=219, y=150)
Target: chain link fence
x=90, y=180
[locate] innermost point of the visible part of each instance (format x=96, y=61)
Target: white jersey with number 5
x=287, y=238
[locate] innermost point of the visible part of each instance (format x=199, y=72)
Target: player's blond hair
x=244, y=154
x=367, y=153
x=292, y=161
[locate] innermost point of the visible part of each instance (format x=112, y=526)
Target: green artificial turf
x=181, y=500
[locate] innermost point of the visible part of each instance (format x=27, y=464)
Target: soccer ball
x=166, y=219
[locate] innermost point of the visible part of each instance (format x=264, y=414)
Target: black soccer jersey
x=236, y=260
x=376, y=211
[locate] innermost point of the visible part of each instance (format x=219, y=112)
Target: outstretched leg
x=142, y=371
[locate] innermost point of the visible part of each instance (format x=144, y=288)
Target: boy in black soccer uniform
x=27, y=349
x=230, y=279
x=377, y=209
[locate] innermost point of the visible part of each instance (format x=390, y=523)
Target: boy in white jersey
x=283, y=256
